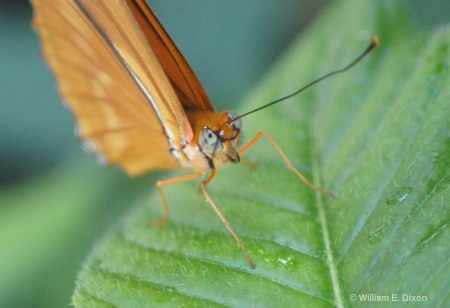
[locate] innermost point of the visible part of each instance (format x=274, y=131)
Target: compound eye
x=233, y=115
x=209, y=141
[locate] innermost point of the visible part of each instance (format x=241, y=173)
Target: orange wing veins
x=184, y=81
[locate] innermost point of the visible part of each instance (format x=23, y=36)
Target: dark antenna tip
x=375, y=42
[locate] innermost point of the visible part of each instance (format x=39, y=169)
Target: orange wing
x=126, y=107
x=186, y=84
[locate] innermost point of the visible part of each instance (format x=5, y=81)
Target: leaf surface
x=377, y=136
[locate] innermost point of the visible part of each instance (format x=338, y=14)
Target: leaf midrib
x=338, y=297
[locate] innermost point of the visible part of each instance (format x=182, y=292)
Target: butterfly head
x=219, y=140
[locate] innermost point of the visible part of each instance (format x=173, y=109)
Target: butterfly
x=137, y=102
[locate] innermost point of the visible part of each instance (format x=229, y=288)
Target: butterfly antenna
x=375, y=42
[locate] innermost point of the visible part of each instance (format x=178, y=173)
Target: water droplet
x=259, y=251
x=289, y=263
x=400, y=195
x=277, y=259
x=377, y=235
x=271, y=260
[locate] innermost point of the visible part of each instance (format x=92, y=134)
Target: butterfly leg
x=286, y=160
x=224, y=220
x=160, y=185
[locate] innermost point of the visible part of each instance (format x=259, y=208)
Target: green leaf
x=377, y=136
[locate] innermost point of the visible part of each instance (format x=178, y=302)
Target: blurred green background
x=55, y=200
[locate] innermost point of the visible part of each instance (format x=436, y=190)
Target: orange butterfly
x=137, y=102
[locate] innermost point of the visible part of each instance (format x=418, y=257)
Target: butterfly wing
x=125, y=105
x=186, y=84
